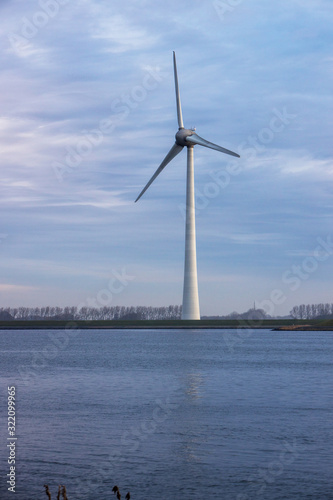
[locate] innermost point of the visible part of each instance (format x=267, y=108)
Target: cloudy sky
x=88, y=113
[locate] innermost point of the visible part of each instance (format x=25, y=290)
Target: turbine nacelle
x=187, y=137
x=182, y=134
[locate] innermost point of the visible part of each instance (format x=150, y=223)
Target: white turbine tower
x=187, y=137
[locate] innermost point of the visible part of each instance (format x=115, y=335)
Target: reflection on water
x=194, y=385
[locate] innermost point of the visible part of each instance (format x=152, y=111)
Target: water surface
x=179, y=414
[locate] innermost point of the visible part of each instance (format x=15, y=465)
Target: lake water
x=169, y=414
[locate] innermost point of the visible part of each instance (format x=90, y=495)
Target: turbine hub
x=181, y=136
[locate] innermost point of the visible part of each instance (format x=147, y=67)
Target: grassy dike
x=274, y=324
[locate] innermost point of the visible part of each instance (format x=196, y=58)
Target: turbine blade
x=179, y=108
x=195, y=139
x=172, y=153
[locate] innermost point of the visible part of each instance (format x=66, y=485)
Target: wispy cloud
x=5, y=287
x=120, y=35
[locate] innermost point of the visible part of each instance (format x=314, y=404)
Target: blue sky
x=88, y=113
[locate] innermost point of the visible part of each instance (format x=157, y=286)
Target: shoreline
x=273, y=325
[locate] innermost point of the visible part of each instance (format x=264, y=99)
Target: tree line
x=303, y=311
x=311, y=311
x=252, y=314
x=91, y=313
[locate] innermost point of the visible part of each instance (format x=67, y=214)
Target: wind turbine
x=187, y=138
